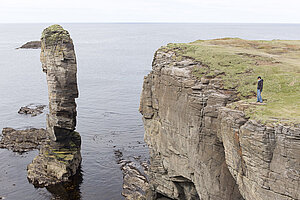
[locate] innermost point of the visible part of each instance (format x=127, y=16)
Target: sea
x=112, y=59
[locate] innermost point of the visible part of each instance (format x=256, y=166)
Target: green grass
x=239, y=62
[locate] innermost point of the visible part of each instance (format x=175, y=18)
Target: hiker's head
x=258, y=78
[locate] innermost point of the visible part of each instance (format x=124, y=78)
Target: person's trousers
x=259, y=96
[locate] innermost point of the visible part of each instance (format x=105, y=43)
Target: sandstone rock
x=59, y=63
x=187, y=160
x=199, y=149
x=135, y=183
x=31, y=45
x=264, y=160
x=56, y=162
x=22, y=140
x=32, y=110
x=135, y=179
x=59, y=157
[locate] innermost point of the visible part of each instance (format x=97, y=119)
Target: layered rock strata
x=135, y=179
x=200, y=149
x=59, y=63
x=56, y=162
x=264, y=160
x=59, y=157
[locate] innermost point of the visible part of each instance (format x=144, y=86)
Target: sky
x=206, y=11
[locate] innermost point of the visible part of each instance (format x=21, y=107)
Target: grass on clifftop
x=239, y=62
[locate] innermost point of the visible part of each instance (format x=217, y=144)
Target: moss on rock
x=55, y=33
x=64, y=151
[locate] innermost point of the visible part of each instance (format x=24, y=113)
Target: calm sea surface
x=112, y=61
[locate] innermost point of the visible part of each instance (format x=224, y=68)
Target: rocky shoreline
x=60, y=157
x=32, y=109
x=135, y=179
x=204, y=140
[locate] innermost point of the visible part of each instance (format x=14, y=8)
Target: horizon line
x=149, y=23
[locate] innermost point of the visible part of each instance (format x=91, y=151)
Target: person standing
x=260, y=83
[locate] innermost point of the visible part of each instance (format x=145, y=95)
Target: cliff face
x=264, y=160
x=201, y=149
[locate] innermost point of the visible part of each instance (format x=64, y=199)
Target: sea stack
x=59, y=63
x=59, y=157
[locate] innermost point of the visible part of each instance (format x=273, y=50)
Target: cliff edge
x=208, y=139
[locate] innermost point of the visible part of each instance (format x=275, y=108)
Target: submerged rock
x=22, y=140
x=32, y=110
x=31, y=45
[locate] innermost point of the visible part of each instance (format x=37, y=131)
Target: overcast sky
x=58, y=11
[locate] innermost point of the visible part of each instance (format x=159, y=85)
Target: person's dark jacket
x=260, y=85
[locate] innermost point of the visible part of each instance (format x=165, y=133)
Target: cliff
x=208, y=139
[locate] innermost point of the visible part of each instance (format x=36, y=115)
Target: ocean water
x=112, y=61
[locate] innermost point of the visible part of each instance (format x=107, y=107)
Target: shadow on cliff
x=68, y=190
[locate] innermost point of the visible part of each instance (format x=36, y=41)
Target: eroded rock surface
x=22, y=140
x=59, y=63
x=32, y=110
x=59, y=157
x=135, y=179
x=265, y=160
x=200, y=149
